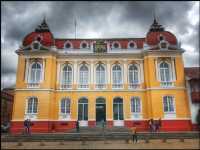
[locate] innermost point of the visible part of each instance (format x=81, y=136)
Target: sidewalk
x=116, y=144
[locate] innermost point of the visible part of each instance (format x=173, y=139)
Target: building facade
x=123, y=81
x=193, y=88
x=7, y=98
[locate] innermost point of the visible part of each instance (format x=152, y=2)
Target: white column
x=141, y=71
x=91, y=72
x=75, y=74
x=43, y=69
x=173, y=69
x=125, y=66
x=157, y=70
x=108, y=72
x=27, y=69
x=58, y=72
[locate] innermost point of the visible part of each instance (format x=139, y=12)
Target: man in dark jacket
x=77, y=126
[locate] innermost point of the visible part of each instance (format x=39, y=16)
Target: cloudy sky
x=95, y=20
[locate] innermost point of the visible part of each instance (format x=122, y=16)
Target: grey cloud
x=104, y=19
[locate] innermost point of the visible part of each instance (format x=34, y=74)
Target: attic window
x=116, y=45
x=163, y=45
x=131, y=45
x=68, y=45
x=38, y=39
x=84, y=45
x=35, y=45
x=161, y=38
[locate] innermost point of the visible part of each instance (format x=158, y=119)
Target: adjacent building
x=193, y=86
x=123, y=81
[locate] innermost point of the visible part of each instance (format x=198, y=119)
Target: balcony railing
x=117, y=86
x=33, y=85
x=167, y=84
x=66, y=86
x=100, y=86
x=134, y=86
x=83, y=86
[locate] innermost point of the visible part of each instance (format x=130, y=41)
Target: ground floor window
x=83, y=109
x=118, y=109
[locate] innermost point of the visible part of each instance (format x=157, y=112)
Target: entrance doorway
x=118, y=116
x=83, y=112
x=100, y=111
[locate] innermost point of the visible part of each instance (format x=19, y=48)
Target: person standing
x=26, y=126
x=29, y=126
x=134, y=135
x=77, y=126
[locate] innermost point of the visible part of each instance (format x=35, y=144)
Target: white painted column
x=125, y=66
x=43, y=69
x=157, y=70
x=75, y=74
x=58, y=73
x=91, y=72
x=141, y=71
x=173, y=69
x=27, y=69
x=108, y=72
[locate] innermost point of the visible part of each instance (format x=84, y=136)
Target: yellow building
x=122, y=81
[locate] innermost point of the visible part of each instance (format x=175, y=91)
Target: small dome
x=41, y=34
x=45, y=38
x=153, y=38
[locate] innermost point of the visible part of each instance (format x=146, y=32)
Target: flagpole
x=75, y=27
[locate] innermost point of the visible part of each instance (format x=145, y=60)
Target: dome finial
x=155, y=27
x=43, y=27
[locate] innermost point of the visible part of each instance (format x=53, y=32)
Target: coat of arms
x=100, y=47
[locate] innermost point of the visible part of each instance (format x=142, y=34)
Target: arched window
x=67, y=76
x=133, y=75
x=165, y=72
x=135, y=105
x=36, y=73
x=32, y=105
x=84, y=44
x=116, y=45
x=84, y=76
x=65, y=106
x=168, y=103
x=117, y=76
x=68, y=45
x=100, y=76
x=132, y=45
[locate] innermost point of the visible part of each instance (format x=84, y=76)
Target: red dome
x=152, y=38
x=46, y=38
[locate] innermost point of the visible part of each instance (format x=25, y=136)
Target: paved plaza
x=115, y=144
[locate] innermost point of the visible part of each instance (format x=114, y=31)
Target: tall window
x=135, y=105
x=168, y=103
x=133, y=76
x=118, y=109
x=65, y=106
x=67, y=76
x=117, y=76
x=84, y=76
x=36, y=73
x=83, y=109
x=165, y=72
x=32, y=105
x=100, y=76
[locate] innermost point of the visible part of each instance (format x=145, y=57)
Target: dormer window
x=35, y=45
x=161, y=38
x=116, y=45
x=131, y=44
x=84, y=44
x=163, y=45
x=68, y=45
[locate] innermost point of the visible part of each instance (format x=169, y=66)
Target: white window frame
x=166, y=83
x=39, y=45
x=135, y=45
x=31, y=115
x=65, y=116
x=79, y=85
x=66, y=86
x=35, y=84
x=113, y=47
x=136, y=115
x=87, y=45
x=119, y=85
x=169, y=114
x=136, y=85
x=103, y=85
x=71, y=45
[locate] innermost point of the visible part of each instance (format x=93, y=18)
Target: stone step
x=97, y=136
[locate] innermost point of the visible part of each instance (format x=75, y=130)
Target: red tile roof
x=193, y=72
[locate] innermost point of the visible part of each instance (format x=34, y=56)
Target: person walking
x=134, y=134
x=77, y=126
x=29, y=124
